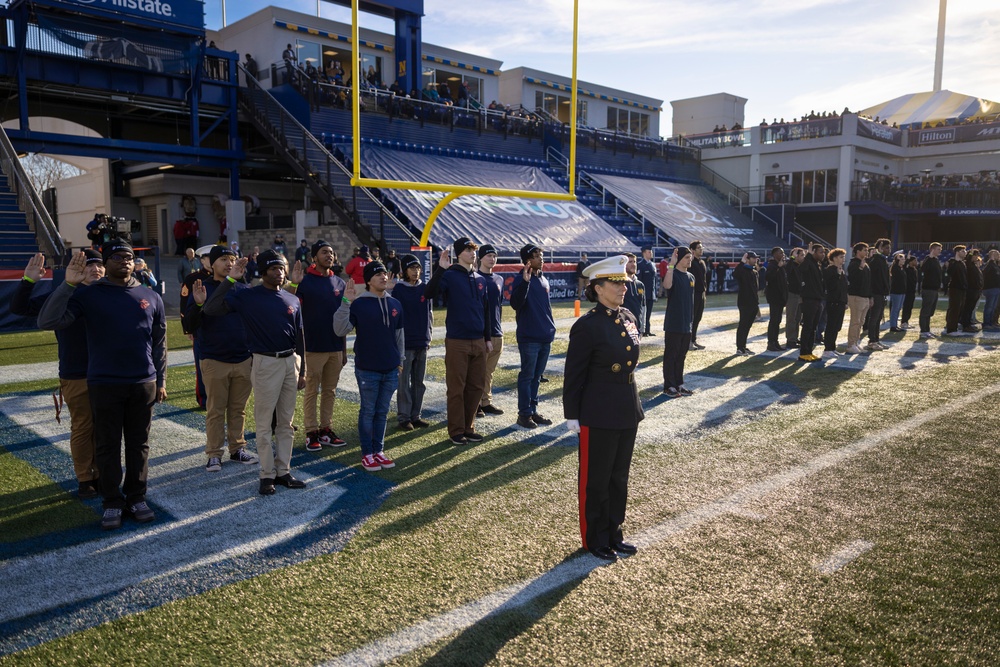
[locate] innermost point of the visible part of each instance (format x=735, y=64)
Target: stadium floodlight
x=454, y=191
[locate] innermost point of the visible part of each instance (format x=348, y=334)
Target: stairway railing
x=328, y=179
x=39, y=221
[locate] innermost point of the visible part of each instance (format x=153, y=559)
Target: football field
x=842, y=512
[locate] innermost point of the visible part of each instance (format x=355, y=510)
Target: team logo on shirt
x=144, y=304
x=291, y=311
x=395, y=312
x=422, y=298
x=336, y=292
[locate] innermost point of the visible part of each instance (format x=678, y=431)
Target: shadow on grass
x=480, y=643
x=486, y=470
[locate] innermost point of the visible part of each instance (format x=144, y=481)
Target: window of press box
x=308, y=53
x=371, y=70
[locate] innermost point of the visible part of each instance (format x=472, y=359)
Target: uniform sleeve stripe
x=582, y=482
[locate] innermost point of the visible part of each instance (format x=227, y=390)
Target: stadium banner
x=719, y=139
x=423, y=256
x=506, y=222
x=955, y=135
x=957, y=212
x=688, y=212
x=187, y=13
x=561, y=277
x=879, y=132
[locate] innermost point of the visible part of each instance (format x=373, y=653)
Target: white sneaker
x=927, y=334
x=853, y=349
x=835, y=353
x=904, y=325
x=882, y=346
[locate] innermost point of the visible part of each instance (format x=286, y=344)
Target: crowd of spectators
x=927, y=190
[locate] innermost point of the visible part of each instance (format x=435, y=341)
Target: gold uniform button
x=629, y=363
x=628, y=348
x=623, y=334
x=615, y=368
x=618, y=321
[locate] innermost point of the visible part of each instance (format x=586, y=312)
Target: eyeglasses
x=122, y=259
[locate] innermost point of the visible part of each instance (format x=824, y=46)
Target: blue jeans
x=992, y=296
x=376, y=391
x=534, y=356
x=895, y=305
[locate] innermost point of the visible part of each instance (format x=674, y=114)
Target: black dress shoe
x=480, y=414
x=420, y=423
x=624, y=548
x=472, y=436
x=87, y=490
x=491, y=410
x=290, y=482
x=604, y=553
x=526, y=421
x=267, y=487
x=543, y=379
x=538, y=419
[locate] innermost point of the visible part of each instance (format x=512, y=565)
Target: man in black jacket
x=700, y=272
x=930, y=281
x=776, y=292
x=812, y=294
x=958, y=284
x=647, y=274
x=880, y=291
x=974, y=274
x=991, y=290
x=793, y=313
x=747, y=299
x=835, y=283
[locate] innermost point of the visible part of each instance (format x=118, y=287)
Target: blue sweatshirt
x=530, y=300
x=72, y=340
x=379, y=344
x=272, y=318
x=126, y=329
x=494, y=291
x=418, y=318
x=321, y=296
x=219, y=338
x=468, y=315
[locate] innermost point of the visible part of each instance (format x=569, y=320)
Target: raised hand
x=199, y=293
x=35, y=270
x=390, y=284
x=298, y=273
x=350, y=291
x=673, y=257
x=444, y=261
x=240, y=268
x=526, y=273
x=744, y=259
x=75, y=268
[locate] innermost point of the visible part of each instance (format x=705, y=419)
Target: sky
x=787, y=58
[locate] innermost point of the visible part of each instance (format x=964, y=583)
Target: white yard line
x=440, y=627
x=844, y=556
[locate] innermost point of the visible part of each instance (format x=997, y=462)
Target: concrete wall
x=698, y=115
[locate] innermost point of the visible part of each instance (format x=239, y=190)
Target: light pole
x=939, y=58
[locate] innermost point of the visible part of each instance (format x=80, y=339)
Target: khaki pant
x=227, y=390
x=275, y=384
x=81, y=429
x=491, y=365
x=465, y=375
x=322, y=370
x=859, y=306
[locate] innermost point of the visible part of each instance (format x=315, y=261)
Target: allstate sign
x=190, y=13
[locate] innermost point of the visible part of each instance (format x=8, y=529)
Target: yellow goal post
x=453, y=191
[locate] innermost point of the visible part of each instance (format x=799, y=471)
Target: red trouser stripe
x=584, y=472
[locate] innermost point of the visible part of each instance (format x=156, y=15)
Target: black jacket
x=897, y=279
x=812, y=279
x=599, y=386
x=835, y=283
x=747, y=285
x=930, y=271
x=859, y=281
x=794, y=279
x=775, y=283
x=975, y=275
x=991, y=275
x=880, y=273
x=958, y=277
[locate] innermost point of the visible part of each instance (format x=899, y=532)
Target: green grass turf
x=739, y=589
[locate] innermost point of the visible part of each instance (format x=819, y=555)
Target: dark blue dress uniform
x=599, y=391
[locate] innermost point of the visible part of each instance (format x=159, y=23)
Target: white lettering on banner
x=988, y=132
x=937, y=136
x=694, y=213
x=508, y=205
x=156, y=7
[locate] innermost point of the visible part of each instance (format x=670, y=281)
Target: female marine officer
x=601, y=403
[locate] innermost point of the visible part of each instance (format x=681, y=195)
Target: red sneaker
x=313, y=443
x=370, y=464
x=384, y=460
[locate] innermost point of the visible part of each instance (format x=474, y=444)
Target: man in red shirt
x=356, y=267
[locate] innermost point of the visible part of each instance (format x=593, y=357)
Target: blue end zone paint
x=328, y=533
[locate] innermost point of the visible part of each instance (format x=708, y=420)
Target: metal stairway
x=325, y=176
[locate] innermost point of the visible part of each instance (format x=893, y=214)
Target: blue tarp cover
x=688, y=213
x=506, y=222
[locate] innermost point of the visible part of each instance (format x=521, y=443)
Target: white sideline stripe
x=439, y=627
x=844, y=556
